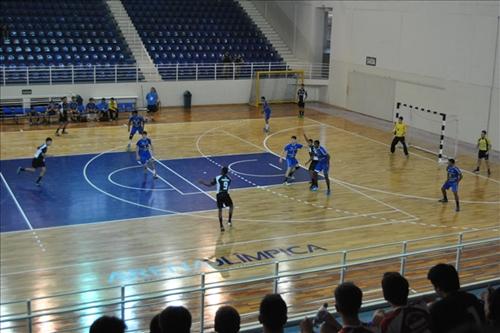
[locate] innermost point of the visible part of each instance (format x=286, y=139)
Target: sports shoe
x=128, y=147
x=457, y=209
x=476, y=170
x=38, y=183
x=328, y=192
x=314, y=188
x=292, y=177
x=64, y=132
x=57, y=133
x=443, y=200
x=19, y=170
x=229, y=224
x=155, y=177
x=222, y=229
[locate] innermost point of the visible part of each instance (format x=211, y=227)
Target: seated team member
x=103, y=108
x=91, y=109
x=51, y=111
x=484, y=146
x=144, y=153
x=82, y=115
x=73, y=106
x=113, y=109
x=137, y=122
x=32, y=115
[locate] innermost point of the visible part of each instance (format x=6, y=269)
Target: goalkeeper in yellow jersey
x=484, y=146
x=399, y=136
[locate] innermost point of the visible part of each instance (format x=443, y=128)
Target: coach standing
x=399, y=136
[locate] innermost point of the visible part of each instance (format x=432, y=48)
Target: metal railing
x=137, y=303
x=134, y=73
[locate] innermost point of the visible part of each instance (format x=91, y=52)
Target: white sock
x=267, y=126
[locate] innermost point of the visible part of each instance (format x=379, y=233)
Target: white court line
x=110, y=179
x=203, y=248
x=274, y=166
x=230, y=167
x=186, y=180
x=387, y=145
x=21, y=210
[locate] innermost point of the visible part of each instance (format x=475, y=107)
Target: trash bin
x=187, y=99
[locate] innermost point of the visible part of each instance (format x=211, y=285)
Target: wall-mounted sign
x=371, y=61
x=26, y=92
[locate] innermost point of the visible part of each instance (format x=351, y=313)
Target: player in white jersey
x=223, y=199
x=38, y=161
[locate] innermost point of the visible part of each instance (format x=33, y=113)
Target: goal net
x=276, y=86
x=430, y=131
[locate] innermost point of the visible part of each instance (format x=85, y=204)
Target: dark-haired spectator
x=91, y=109
x=455, y=308
x=107, y=324
x=103, y=108
x=348, y=300
x=227, y=320
x=175, y=319
x=154, y=325
x=402, y=317
x=492, y=307
x=113, y=109
x=273, y=313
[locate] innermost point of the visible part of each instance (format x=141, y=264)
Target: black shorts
x=224, y=200
x=301, y=104
x=38, y=163
x=312, y=166
x=483, y=154
x=152, y=108
x=63, y=119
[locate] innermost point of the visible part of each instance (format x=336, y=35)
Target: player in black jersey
x=63, y=116
x=313, y=159
x=38, y=161
x=302, y=95
x=223, y=199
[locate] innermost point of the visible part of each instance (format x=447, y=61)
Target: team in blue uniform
x=144, y=154
x=137, y=123
x=454, y=176
x=266, y=110
x=290, y=153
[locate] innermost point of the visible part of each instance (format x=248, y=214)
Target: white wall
x=440, y=54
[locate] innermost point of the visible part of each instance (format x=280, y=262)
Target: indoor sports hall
x=97, y=219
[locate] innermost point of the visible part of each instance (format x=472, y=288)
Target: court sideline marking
x=23, y=214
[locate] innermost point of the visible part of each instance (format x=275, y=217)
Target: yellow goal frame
x=256, y=85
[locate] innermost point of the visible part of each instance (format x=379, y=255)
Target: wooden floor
x=377, y=199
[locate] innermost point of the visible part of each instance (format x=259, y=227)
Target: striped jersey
x=41, y=151
x=302, y=94
x=223, y=182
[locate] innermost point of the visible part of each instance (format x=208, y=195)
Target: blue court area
x=112, y=186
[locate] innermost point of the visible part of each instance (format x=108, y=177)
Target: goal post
x=429, y=130
x=278, y=86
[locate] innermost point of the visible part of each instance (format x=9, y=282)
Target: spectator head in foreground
x=227, y=320
x=444, y=278
x=395, y=288
x=348, y=298
x=154, y=325
x=273, y=313
x=107, y=324
x=492, y=307
x=175, y=319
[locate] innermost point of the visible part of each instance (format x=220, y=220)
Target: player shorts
x=301, y=104
x=63, y=119
x=291, y=162
x=322, y=166
x=267, y=116
x=452, y=185
x=144, y=156
x=135, y=130
x=38, y=163
x=224, y=200
x=152, y=108
x=483, y=154
x=313, y=164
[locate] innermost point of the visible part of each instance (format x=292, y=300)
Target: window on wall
x=327, y=41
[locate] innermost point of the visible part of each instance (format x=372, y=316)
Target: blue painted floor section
x=93, y=188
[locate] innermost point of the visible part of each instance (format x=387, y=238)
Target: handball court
x=99, y=221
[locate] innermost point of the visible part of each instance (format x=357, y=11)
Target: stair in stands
x=268, y=31
x=134, y=41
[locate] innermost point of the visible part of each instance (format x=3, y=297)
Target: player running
x=313, y=159
x=454, y=176
x=484, y=146
x=290, y=152
x=399, y=136
x=223, y=199
x=143, y=153
x=323, y=164
x=38, y=161
x=63, y=116
x=137, y=122
x=302, y=95
x=266, y=110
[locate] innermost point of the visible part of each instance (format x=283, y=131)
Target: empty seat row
x=64, y=49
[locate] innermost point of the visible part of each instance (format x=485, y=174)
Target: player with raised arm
x=313, y=159
x=322, y=165
x=399, y=136
x=289, y=154
x=483, y=146
x=266, y=110
x=454, y=176
x=223, y=182
x=302, y=95
x=144, y=153
x=137, y=122
x=38, y=161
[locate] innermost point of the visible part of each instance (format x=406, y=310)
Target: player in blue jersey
x=144, y=154
x=266, y=110
x=323, y=165
x=290, y=152
x=454, y=176
x=137, y=123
